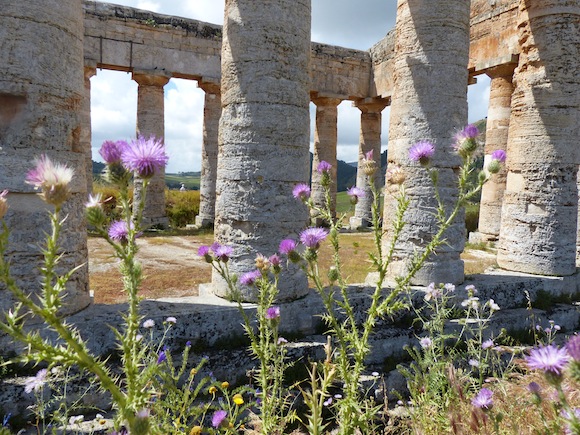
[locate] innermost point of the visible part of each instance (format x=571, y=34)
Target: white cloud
x=149, y=5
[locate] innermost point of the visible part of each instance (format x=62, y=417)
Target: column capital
x=372, y=105
x=504, y=70
x=90, y=71
x=151, y=77
x=326, y=101
x=209, y=86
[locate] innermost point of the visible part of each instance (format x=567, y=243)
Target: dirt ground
x=172, y=268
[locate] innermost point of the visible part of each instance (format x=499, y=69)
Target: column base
x=449, y=271
x=477, y=237
x=357, y=223
x=203, y=222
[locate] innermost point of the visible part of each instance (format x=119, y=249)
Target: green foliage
x=181, y=207
x=471, y=217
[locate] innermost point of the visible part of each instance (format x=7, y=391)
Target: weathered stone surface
x=370, y=140
x=496, y=138
x=429, y=103
x=41, y=94
x=325, y=142
x=209, y=152
x=264, y=133
x=539, y=216
x=151, y=123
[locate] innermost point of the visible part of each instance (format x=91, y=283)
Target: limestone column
x=539, y=214
x=41, y=95
x=429, y=104
x=151, y=122
x=498, y=120
x=370, y=140
x=209, y=152
x=325, y=142
x=86, y=125
x=264, y=133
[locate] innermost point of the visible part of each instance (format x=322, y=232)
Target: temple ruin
x=259, y=79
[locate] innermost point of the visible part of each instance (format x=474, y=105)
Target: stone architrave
x=496, y=138
x=86, y=125
x=370, y=140
x=325, y=142
x=151, y=122
x=539, y=214
x=41, y=98
x=429, y=104
x=209, y=153
x=264, y=134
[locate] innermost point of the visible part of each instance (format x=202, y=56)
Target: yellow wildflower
x=238, y=399
x=212, y=390
x=225, y=385
x=195, y=430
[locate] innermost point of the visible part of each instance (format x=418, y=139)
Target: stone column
x=370, y=140
x=325, y=142
x=209, y=152
x=429, y=104
x=496, y=138
x=41, y=95
x=86, y=126
x=539, y=214
x=264, y=133
x=151, y=122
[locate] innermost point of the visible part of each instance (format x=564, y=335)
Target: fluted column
x=41, y=98
x=539, y=214
x=370, y=140
x=151, y=122
x=264, y=134
x=429, y=104
x=496, y=138
x=209, y=152
x=325, y=142
x=86, y=125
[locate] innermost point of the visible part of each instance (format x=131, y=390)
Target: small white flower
x=493, y=306
x=94, y=201
x=171, y=320
x=375, y=374
x=474, y=363
x=449, y=287
x=472, y=302
x=149, y=323
x=425, y=342
x=37, y=382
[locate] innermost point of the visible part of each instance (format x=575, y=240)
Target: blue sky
x=339, y=22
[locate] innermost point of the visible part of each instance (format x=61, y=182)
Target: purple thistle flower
x=119, y=231
x=573, y=347
x=202, y=251
x=272, y=313
x=323, y=167
x=534, y=388
x=301, y=191
x=162, y=357
x=52, y=179
x=499, y=155
x=549, y=359
x=275, y=260
x=483, y=400
x=311, y=237
x=218, y=418
x=369, y=155
x=223, y=253
x=35, y=383
x=469, y=132
x=425, y=342
x=422, y=152
x=145, y=156
x=487, y=344
x=287, y=246
x=355, y=194
x=249, y=278
x=111, y=151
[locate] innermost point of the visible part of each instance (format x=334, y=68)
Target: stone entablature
x=124, y=38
